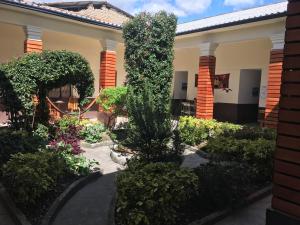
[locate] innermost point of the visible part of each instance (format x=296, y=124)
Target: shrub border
x=16, y=214
x=67, y=195
x=219, y=215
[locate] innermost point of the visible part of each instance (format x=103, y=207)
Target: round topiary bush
x=35, y=74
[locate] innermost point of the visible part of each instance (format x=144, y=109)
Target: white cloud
x=178, y=7
x=238, y=4
x=156, y=5
x=193, y=6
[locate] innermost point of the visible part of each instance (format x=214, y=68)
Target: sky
x=186, y=10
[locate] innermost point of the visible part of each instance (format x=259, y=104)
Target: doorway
x=180, y=85
x=248, y=96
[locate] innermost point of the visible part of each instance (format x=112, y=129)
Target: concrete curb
x=16, y=214
x=219, y=215
x=66, y=195
x=84, y=144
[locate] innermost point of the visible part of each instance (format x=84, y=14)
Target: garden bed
x=36, y=213
x=214, y=217
x=62, y=199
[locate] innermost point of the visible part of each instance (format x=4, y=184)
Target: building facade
x=229, y=65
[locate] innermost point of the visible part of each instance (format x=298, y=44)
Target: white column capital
x=208, y=48
x=109, y=45
x=277, y=41
x=33, y=32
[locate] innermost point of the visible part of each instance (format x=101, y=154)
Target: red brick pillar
x=205, y=91
x=33, y=42
x=108, y=69
x=274, y=81
x=108, y=64
x=286, y=189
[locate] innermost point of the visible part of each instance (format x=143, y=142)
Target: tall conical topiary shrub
x=149, y=42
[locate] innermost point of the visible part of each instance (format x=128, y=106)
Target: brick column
x=108, y=64
x=205, y=91
x=286, y=190
x=274, y=81
x=33, y=42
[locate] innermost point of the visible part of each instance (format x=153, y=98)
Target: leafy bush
x=69, y=133
x=222, y=184
x=66, y=121
x=113, y=101
x=149, y=128
x=42, y=132
x=70, y=136
x=12, y=142
x=29, y=176
x=37, y=73
x=193, y=131
x=92, y=133
x=75, y=164
x=252, y=133
x=258, y=153
x=154, y=194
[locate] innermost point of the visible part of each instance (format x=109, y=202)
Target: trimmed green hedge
x=193, y=131
x=12, y=142
x=223, y=184
x=258, y=153
x=155, y=194
x=29, y=176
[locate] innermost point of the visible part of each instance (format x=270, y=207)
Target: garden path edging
x=16, y=214
x=219, y=215
x=67, y=195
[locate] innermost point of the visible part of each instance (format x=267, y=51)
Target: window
x=63, y=92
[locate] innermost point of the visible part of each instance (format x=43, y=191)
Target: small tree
x=113, y=102
x=149, y=55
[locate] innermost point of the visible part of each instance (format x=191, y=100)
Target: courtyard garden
x=41, y=159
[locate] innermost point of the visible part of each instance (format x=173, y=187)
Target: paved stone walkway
x=254, y=214
x=5, y=218
x=92, y=204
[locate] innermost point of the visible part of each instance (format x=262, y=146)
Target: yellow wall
x=12, y=45
x=187, y=59
x=87, y=47
x=121, y=78
x=11, y=42
x=230, y=58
